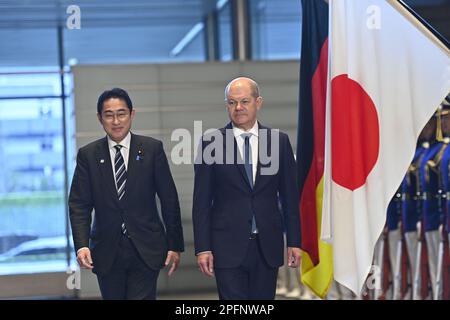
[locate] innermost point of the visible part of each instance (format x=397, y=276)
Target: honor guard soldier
x=394, y=240
x=430, y=180
x=443, y=265
x=411, y=208
x=385, y=254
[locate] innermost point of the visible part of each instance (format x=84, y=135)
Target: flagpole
x=421, y=23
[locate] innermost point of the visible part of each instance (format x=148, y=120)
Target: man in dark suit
x=238, y=227
x=118, y=176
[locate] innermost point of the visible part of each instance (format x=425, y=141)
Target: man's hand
x=294, y=256
x=206, y=263
x=175, y=258
x=84, y=258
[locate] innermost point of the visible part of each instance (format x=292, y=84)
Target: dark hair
x=114, y=93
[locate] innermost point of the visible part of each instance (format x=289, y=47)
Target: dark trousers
x=129, y=278
x=254, y=279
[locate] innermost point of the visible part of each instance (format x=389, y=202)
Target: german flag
x=317, y=264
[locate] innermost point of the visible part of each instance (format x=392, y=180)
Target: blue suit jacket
x=224, y=203
x=445, y=173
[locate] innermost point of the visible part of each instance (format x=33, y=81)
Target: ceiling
x=111, y=31
x=138, y=30
x=48, y=13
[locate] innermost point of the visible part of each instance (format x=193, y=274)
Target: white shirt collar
x=124, y=143
x=238, y=131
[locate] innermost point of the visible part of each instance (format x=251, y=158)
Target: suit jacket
x=93, y=187
x=224, y=203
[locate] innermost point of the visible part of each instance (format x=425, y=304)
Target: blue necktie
x=121, y=177
x=249, y=169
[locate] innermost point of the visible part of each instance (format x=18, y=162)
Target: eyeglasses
x=109, y=116
x=233, y=104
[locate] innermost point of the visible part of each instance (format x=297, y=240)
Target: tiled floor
x=204, y=296
x=189, y=296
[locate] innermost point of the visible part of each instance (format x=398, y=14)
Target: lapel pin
x=140, y=155
x=102, y=160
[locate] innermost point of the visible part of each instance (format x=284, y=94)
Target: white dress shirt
x=253, y=144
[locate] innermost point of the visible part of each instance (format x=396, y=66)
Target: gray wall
x=171, y=96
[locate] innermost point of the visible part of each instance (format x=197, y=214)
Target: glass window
x=133, y=44
x=275, y=29
x=136, y=31
x=32, y=179
x=224, y=31
x=34, y=82
x=22, y=47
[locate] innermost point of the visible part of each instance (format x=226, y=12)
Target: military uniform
x=411, y=212
x=443, y=264
x=395, y=242
x=444, y=252
x=431, y=184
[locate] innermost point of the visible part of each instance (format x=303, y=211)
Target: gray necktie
x=249, y=169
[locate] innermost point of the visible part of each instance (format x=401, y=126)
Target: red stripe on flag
x=308, y=207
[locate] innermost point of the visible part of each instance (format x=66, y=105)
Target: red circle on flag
x=355, y=133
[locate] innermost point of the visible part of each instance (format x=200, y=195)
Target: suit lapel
x=107, y=175
x=261, y=180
